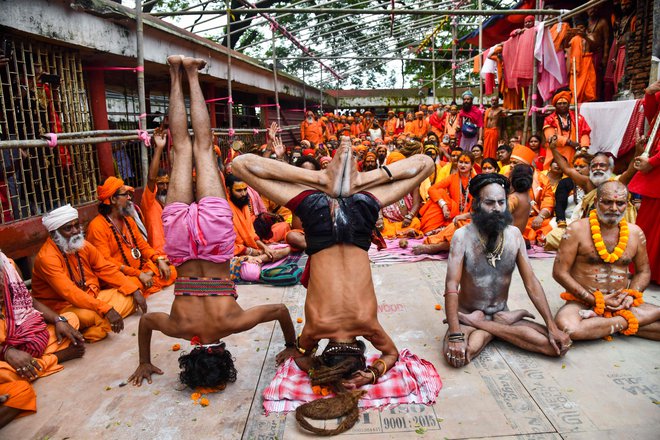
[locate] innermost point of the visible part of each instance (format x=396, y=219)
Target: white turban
x=58, y=217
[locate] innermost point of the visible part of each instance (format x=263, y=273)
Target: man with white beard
x=602, y=297
x=67, y=277
x=601, y=169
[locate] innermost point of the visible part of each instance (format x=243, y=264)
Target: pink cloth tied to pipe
x=411, y=380
x=203, y=230
x=231, y=132
x=52, y=139
x=144, y=137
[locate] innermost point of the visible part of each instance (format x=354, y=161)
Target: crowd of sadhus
x=85, y=284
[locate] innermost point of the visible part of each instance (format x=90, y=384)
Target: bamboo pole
x=433, y=57
x=481, y=48
x=277, y=95
x=575, y=98
x=454, y=65
x=230, y=101
x=142, y=118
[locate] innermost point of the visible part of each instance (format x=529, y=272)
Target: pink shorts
x=200, y=231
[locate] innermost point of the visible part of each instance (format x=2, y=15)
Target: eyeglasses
x=70, y=228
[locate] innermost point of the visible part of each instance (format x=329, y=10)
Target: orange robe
x=452, y=125
x=313, y=132
x=420, y=129
x=449, y=190
x=390, y=127
x=491, y=136
x=246, y=237
x=102, y=237
x=153, y=212
x=552, y=127
x=542, y=197
x=53, y=286
x=409, y=127
x=355, y=129
x=585, y=73
x=21, y=393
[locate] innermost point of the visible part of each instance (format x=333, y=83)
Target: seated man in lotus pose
x=481, y=262
x=338, y=216
x=592, y=265
x=199, y=240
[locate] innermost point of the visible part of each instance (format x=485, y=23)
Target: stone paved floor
x=600, y=390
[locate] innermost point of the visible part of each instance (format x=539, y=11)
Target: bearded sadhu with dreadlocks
x=338, y=208
x=481, y=261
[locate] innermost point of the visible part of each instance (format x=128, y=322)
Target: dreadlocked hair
x=339, y=361
x=207, y=367
x=481, y=180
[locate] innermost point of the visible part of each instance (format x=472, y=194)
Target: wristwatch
x=61, y=319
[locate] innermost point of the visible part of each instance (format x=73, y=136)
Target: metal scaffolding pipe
x=354, y=11
x=341, y=57
x=321, y=24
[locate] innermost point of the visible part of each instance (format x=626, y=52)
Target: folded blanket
x=411, y=380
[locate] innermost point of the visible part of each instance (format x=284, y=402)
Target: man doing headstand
x=199, y=240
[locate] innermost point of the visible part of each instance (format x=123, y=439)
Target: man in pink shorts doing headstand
x=199, y=240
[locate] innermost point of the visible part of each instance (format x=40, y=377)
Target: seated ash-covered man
x=114, y=233
x=482, y=258
x=71, y=275
x=204, y=309
x=34, y=341
x=593, y=263
x=247, y=241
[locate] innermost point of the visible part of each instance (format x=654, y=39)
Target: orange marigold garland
x=599, y=308
x=597, y=238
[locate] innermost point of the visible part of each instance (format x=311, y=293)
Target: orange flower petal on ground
x=176, y=347
x=204, y=401
x=299, y=320
x=195, y=396
x=438, y=307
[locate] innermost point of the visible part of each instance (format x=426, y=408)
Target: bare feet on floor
x=511, y=316
x=71, y=352
x=471, y=318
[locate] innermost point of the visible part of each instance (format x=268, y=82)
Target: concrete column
x=100, y=122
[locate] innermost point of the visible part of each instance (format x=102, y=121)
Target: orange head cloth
x=370, y=154
x=394, y=156
x=564, y=94
x=108, y=189
x=308, y=152
x=523, y=154
x=419, y=113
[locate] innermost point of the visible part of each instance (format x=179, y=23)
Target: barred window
x=42, y=90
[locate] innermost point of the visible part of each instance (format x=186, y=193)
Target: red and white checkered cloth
x=411, y=380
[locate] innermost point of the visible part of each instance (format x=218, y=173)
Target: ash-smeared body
x=484, y=287
x=482, y=258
